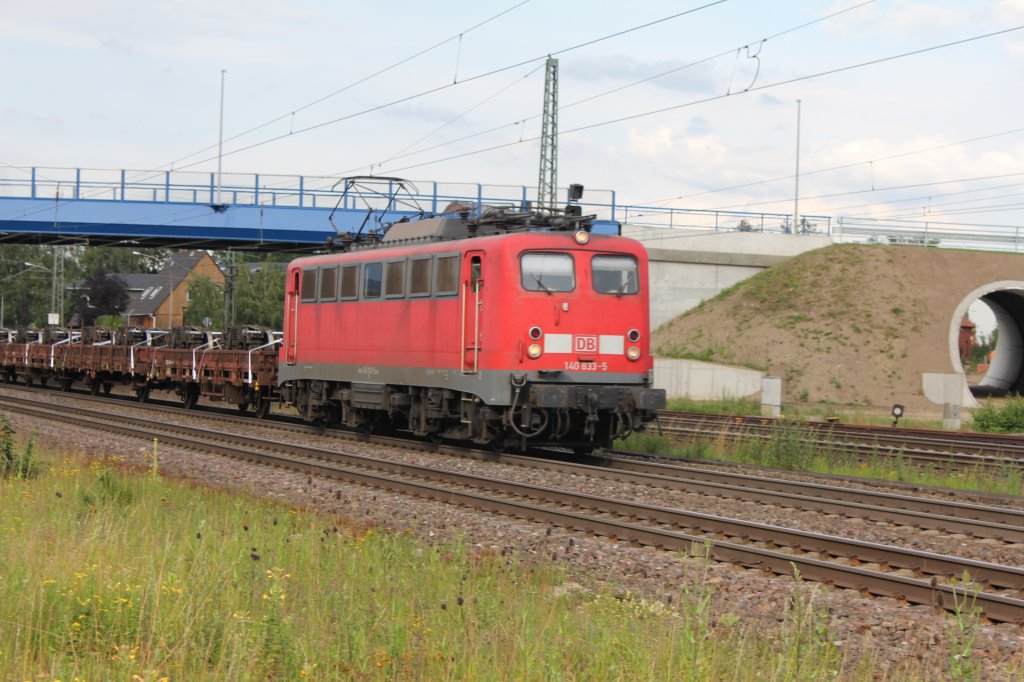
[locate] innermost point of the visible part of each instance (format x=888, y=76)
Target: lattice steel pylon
x=547, y=184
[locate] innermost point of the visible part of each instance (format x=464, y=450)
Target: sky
x=687, y=103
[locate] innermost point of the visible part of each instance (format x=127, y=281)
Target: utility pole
x=796, y=193
x=56, y=297
x=56, y=315
x=230, y=271
x=547, y=183
x=220, y=135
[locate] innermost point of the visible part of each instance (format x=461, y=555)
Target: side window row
x=408, y=277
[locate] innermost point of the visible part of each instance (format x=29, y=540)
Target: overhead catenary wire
x=783, y=82
x=866, y=191
x=840, y=167
x=928, y=197
x=469, y=79
x=291, y=114
x=452, y=120
x=157, y=170
x=756, y=88
x=621, y=88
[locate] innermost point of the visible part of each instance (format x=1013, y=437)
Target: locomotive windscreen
x=614, y=275
x=548, y=272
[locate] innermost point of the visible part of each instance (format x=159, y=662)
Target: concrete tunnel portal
x=1006, y=371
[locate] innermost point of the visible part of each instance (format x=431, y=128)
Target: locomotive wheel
x=243, y=407
x=94, y=387
x=107, y=388
x=142, y=393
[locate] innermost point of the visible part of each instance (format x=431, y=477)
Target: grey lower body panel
x=494, y=387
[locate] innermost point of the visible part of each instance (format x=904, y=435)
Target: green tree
x=120, y=259
x=259, y=294
x=25, y=284
x=206, y=301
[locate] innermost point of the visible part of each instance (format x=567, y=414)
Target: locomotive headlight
x=582, y=237
x=534, y=351
x=633, y=335
x=633, y=353
x=536, y=333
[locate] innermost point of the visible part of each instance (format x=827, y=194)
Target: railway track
x=979, y=519
x=922, y=446
x=910, y=575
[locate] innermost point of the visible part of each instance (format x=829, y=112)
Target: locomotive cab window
x=615, y=275
x=372, y=275
x=329, y=284
x=419, y=277
x=349, y=282
x=446, y=275
x=394, y=283
x=548, y=272
x=309, y=285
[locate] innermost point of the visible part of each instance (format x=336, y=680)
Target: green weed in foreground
x=15, y=461
x=110, y=574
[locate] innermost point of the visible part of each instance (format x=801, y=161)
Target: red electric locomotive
x=502, y=329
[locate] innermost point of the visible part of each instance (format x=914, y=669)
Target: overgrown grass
x=733, y=406
x=111, y=574
x=792, y=446
x=750, y=407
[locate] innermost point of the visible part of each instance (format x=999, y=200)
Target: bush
x=1005, y=418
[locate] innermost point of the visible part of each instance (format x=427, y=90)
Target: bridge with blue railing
x=189, y=209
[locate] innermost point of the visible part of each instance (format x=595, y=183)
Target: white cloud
x=902, y=18
x=1009, y=12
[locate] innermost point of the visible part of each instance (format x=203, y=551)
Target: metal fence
x=738, y=221
x=325, y=192
x=935, y=234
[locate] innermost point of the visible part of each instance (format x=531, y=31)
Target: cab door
x=472, y=302
x=292, y=318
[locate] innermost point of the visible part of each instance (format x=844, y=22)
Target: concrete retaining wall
x=704, y=381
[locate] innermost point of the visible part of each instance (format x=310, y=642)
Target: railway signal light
x=897, y=412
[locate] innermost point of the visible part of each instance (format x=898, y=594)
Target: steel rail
x=975, y=520
x=927, y=444
x=858, y=449
x=996, y=607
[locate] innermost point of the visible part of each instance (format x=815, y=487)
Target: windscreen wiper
x=624, y=285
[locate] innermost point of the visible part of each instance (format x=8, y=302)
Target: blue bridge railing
x=318, y=192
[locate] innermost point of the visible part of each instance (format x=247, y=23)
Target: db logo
x=585, y=344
